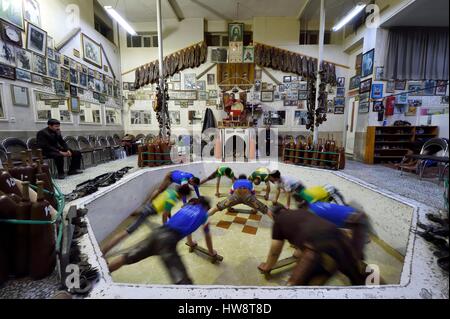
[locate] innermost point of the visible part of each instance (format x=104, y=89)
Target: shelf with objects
x=389, y=144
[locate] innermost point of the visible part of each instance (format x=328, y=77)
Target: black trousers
x=75, y=161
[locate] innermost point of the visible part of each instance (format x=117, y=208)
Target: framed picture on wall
x=377, y=91
x=22, y=75
x=267, y=96
x=355, y=82
x=39, y=64
x=36, y=40
x=441, y=88
x=7, y=55
x=23, y=59
x=390, y=86
x=303, y=95
x=378, y=106
x=339, y=101
x=430, y=87
x=59, y=87
x=400, y=85
x=365, y=86
x=249, y=55
x=7, y=72
x=340, y=82
x=92, y=51
x=415, y=88
x=11, y=34
x=340, y=92
x=367, y=63
x=379, y=73
x=74, y=104
x=12, y=12
x=287, y=79
x=53, y=69
x=20, y=95
x=358, y=64
x=339, y=110
x=236, y=32
x=32, y=12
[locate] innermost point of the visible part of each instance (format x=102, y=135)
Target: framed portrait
x=236, y=52
x=20, y=95
x=379, y=73
x=59, y=87
x=74, y=104
x=23, y=59
x=7, y=53
x=367, y=63
x=390, y=86
x=73, y=91
x=249, y=55
x=267, y=96
x=378, y=106
x=287, y=79
x=303, y=86
x=39, y=64
x=11, y=34
x=400, y=85
x=340, y=92
x=341, y=82
x=441, y=88
x=365, y=86
x=53, y=69
x=12, y=12
x=74, y=76
x=339, y=110
x=92, y=51
x=23, y=75
x=355, y=82
x=65, y=75
x=7, y=72
x=32, y=12
x=302, y=95
x=430, y=87
x=339, y=101
x=236, y=32
x=219, y=55
x=377, y=91
x=36, y=40
x=211, y=79
x=83, y=80
x=57, y=57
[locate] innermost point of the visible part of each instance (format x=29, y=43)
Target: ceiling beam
x=302, y=9
x=213, y=11
x=176, y=10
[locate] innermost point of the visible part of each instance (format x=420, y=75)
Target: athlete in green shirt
x=218, y=174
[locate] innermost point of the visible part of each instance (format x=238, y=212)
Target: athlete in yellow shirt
x=162, y=204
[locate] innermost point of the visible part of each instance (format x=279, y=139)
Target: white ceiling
x=422, y=13
x=145, y=10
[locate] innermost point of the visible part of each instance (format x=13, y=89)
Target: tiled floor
x=250, y=226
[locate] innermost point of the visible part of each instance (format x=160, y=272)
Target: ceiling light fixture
x=116, y=16
x=359, y=7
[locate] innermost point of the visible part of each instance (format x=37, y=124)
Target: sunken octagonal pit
x=403, y=259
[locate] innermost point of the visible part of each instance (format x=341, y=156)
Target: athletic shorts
x=249, y=200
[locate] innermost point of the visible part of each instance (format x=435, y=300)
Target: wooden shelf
x=408, y=136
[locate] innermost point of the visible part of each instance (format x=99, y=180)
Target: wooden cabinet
x=386, y=144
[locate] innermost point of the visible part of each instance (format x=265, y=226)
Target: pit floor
x=243, y=240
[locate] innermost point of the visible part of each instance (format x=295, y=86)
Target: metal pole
x=161, y=66
x=319, y=61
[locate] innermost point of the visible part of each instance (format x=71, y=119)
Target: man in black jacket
x=53, y=146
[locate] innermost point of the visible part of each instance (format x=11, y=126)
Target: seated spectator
x=53, y=146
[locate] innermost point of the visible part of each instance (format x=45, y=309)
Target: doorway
x=352, y=117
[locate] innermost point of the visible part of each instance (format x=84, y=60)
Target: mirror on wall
x=52, y=106
x=113, y=116
x=90, y=113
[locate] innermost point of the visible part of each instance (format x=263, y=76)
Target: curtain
x=417, y=54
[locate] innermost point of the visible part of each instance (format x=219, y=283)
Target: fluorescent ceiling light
x=360, y=7
x=113, y=13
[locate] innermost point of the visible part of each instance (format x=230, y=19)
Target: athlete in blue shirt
x=163, y=241
x=345, y=217
x=179, y=178
x=241, y=192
